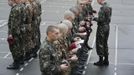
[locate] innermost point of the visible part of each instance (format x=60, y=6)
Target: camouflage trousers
x=27, y=42
x=102, y=40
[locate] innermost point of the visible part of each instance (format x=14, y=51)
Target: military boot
x=14, y=65
x=34, y=52
x=100, y=62
x=27, y=56
x=106, y=61
x=21, y=60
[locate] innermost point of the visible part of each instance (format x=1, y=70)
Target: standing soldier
x=27, y=30
x=103, y=20
x=39, y=21
x=14, y=33
x=48, y=56
x=36, y=26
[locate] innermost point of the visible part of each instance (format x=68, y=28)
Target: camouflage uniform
x=34, y=22
x=103, y=20
x=62, y=53
x=38, y=21
x=49, y=60
x=75, y=25
x=14, y=28
x=27, y=30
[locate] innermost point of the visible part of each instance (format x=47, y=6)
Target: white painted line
x=44, y=23
x=116, y=49
x=115, y=73
x=84, y=72
x=2, y=21
x=17, y=74
x=30, y=59
x=116, y=45
x=26, y=64
x=43, y=11
x=3, y=39
x=85, y=67
x=89, y=55
x=22, y=69
x=5, y=23
x=115, y=69
x=7, y=55
x=90, y=52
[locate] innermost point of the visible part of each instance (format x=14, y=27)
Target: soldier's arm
x=9, y=23
x=16, y=21
x=46, y=61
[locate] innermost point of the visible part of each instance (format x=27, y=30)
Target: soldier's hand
x=10, y=35
x=74, y=58
x=64, y=67
x=74, y=50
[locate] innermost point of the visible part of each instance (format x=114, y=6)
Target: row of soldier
x=23, y=30
x=64, y=50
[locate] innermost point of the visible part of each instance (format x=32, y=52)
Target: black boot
x=106, y=61
x=27, y=56
x=34, y=52
x=100, y=62
x=14, y=65
x=21, y=60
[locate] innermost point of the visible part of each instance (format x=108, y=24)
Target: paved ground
x=120, y=40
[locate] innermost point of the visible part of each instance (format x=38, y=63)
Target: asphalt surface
x=120, y=40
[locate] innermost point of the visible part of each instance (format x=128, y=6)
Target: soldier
x=68, y=15
x=27, y=30
x=36, y=19
x=75, y=23
x=69, y=34
x=103, y=20
x=82, y=6
x=48, y=57
x=14, y=33
x=38, y=24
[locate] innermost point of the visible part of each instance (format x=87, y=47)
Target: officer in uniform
x=103, y=20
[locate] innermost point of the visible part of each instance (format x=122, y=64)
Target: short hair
x=63, y=28
x=51, y=29
x=69, y=13
x=74, y=9
x=81, y=1
x=68, y=23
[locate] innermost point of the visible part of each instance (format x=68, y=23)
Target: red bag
x=10, y=40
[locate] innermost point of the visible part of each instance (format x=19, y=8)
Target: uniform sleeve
x=15, y=21
x=9, y=22
x=47, y=64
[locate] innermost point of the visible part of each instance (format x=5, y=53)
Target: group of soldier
x=64, y=51
x=23, y=30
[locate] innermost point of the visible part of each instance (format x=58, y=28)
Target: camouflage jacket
x=49, y=60
x=15, y=19
x=104, y=15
